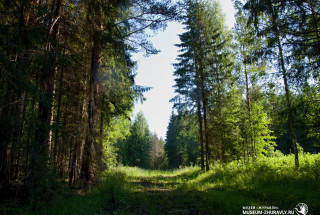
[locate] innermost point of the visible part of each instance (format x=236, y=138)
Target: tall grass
x=223, y=190
x=102, y=197
x=268, y=181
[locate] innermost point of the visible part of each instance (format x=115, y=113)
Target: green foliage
x=203, y=73
x=262, y=137
x=311, y=98
x=102, y=197
x=113, y=136
x=59, y=56
x=225, y=189
x=303, y=104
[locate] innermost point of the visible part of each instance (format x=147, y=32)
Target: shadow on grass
x=226, y=189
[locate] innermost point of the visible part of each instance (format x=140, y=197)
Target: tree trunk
x=6, y=128
x=86, y=168
x=200, y=134
x=21, y=132
x=287, y=91
x=199, y=112
x=47, y=83
x=58, y=116
x=99, y=145
x=204, y=110
x=77, y=141
x=289, y=109
x=41, y=150
x=251, y=137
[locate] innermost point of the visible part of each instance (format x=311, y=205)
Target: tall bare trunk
x=6, y=129
x=206, y=131
x=21, y=132
x=86, y=168
x=199, y=110
x=289, y=109
x=287, y=91
x=47, y=83
x=77, y=141
x=41, y=150
x=200, y=134
x=250, y=141
x=204, y=110
x=57, y=130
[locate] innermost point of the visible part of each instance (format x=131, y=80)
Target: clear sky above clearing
x=156, y=71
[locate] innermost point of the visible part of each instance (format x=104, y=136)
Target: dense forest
x=252, y=91
x=66, y=78
x=67, y=89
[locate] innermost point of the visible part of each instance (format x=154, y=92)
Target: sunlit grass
x=223, y=190
x=138, y=172
x=274, y=180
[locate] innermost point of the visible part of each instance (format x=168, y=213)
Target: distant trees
x=158, y=158
x=181, y=145
x=140, y=147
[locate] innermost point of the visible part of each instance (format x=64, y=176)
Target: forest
x=244, y=132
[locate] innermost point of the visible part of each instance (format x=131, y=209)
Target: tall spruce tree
x=181, y=145
x=204, y=64
x=272, y=26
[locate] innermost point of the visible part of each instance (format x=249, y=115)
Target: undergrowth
x=270, y=181
x=103, y=196
x=225, y=189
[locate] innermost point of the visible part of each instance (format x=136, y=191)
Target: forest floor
x=164, y=193
x=226, y=189
x=232, y=188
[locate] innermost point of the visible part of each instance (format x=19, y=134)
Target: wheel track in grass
x=166, y=195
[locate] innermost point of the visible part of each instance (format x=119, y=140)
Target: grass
x=102, y=197
x=225, y=189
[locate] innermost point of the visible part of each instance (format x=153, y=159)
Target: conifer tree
x=272, y=27
x=204, y=64
x=138, y=145
x=66, y=73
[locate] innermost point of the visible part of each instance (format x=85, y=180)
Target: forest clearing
x=241, y=134
x=225, y=189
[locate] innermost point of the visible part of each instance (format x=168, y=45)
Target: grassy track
x=223, y=190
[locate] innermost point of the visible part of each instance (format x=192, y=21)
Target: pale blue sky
x=157, y=72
